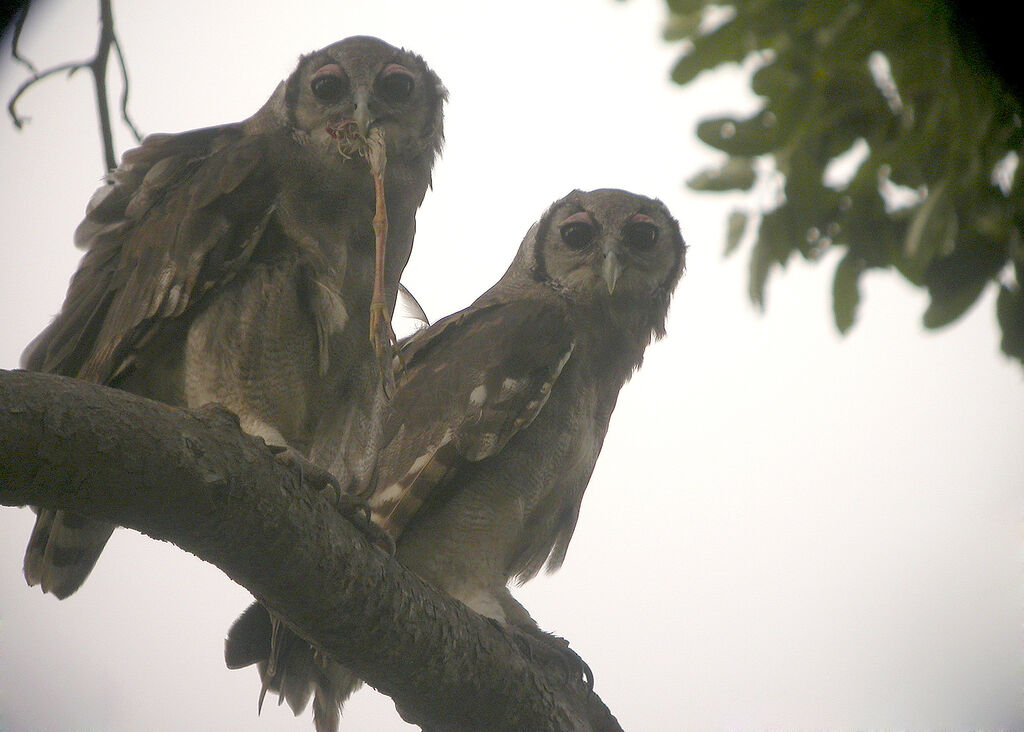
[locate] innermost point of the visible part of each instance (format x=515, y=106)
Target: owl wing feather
x=178, y=217
x=466, y=409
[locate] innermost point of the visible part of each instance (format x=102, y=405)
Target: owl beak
x=610, y=270
x=362, y=113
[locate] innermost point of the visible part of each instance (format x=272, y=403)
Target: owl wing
x=470, y=383
x=177, y=217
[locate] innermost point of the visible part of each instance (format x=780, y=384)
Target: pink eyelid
x=395, y=69
x=329, y=70
x=580, y=217
x=639, y=218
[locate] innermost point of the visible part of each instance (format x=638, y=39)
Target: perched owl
x=235, y=264
x=498, y=420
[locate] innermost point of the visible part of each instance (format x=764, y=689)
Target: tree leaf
x=846, y=292
x=736, y=225
x=722, y=45
x=1010, y=311
x=934, y=118
x=736, y=174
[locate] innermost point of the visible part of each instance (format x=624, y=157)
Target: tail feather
x=289, y=666
x=62, y=550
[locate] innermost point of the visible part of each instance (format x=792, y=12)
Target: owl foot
x=309, y=473
x=575, y=665
x=352, y=507
x=358, y=513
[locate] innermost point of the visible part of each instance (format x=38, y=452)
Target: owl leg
x=382, y=335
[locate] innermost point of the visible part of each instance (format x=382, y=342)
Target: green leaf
x=932, y=225
x=944, y=309
x=725, y=44
x=956, y=281
x=846, y=291
x=737, y=174
x=939, y=123
x=685, y=7
x=774, y=80
x=682, y=26
x=1010, y=311
x=750, y=137
x=773, y=247
x=736, y=225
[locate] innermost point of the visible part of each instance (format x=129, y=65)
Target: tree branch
x=97, y=66
x=125, y=117
x=195, y=479
x=19, y=24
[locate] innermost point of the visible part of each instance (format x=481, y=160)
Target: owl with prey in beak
x=240, y=264
x=499, y=417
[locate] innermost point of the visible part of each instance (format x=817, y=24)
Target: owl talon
x=309, y=473
x=577, y=667
x=358, y=513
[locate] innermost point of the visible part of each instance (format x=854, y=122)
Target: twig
x=124, y=92
x=39, y=76
x=18, y=25
x=97, y=67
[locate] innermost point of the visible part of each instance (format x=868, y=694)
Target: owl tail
x=289, y=667
x=62, y=551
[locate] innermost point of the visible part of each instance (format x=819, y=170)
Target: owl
x=498, y=420
x=236, y=264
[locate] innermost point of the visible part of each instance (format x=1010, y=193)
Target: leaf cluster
x=896, y=143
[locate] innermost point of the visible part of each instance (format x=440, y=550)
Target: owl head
x=609, y=249
x=366, y=82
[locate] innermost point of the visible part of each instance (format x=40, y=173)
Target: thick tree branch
x=193, y=478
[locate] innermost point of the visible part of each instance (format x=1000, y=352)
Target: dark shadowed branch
x=97, y=66
x=195, y=479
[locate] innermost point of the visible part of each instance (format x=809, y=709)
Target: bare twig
x=124, y=92
x=18, y=120
x=97, y=66
x=18, y=25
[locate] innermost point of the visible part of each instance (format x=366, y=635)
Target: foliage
x=928, y=136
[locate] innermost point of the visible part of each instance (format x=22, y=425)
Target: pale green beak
x=362, y=113
x=610, y=270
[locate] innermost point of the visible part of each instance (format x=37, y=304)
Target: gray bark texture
x=193, y=478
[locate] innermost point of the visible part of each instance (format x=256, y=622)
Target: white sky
x=785, y=531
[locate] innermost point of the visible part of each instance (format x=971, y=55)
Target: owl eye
x=641, y=234
x=395, y=84
x=577, y=234
x=329, y=84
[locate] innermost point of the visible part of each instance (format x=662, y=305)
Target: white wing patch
x=509, y=387
x=478, y=396
x=394, y=491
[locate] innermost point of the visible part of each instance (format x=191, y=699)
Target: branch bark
x=195, y=479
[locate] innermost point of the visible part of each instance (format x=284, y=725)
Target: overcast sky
x=786, y=530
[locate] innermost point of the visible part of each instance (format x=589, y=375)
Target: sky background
x=786, y=529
